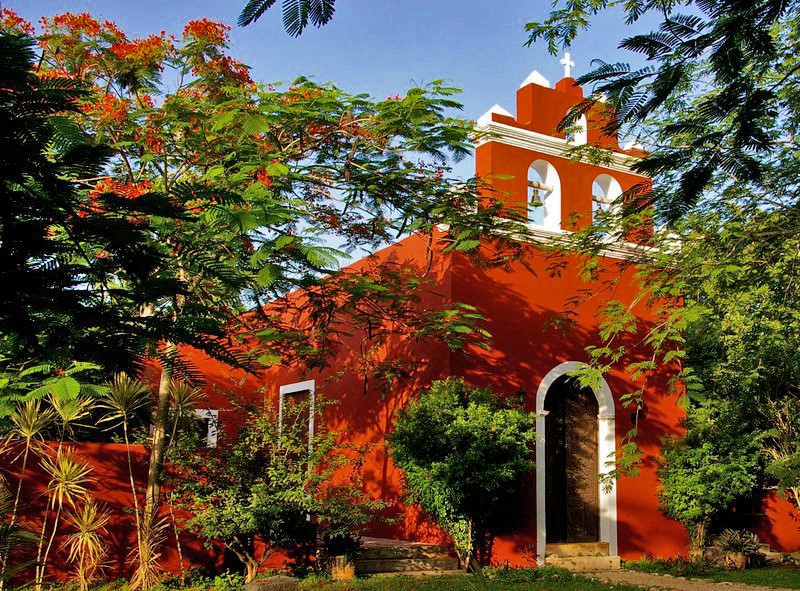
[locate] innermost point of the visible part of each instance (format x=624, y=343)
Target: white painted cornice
x=492, y=131
x=613, y=250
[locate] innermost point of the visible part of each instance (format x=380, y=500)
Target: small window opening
x=578, y=134
x=208, y=425
x=296, y=410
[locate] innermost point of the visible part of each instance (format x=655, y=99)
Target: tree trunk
x=177, y=540
x=251, y=570
x=158, y=443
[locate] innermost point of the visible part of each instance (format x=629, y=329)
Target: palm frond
x=297, y=14
x=253, y=11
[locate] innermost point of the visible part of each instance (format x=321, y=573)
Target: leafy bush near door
x=463, y=451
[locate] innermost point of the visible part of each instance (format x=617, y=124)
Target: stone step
x=404, y=551
x=405, y=565
x=770, y=557
x=584, y=563
x=577, y=549
x=420, y=573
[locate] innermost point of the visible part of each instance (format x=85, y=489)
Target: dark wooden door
x=571, y=464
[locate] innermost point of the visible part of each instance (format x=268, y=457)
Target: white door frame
x=606, y=447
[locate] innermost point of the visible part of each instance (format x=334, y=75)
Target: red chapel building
x=578, y=430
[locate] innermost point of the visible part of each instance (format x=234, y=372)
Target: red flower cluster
x=9, y=18
x=112, y=29
x=128, y=190
x=53, y=74
x=107, y=109
x=82, y=23
x=224, y=67
x=234, y=70
x=297, y=94
x=207, y=31
x=316, y=129
x=263, y=177
x=146, y=101
x=150, y=50
x=153, y=140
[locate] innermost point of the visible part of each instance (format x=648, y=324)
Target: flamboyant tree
x=63, y=265
x=269, y=188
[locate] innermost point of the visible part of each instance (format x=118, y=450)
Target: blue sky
x=378, y=46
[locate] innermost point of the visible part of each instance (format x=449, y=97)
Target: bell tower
x=523, y=156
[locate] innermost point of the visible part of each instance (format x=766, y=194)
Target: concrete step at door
x=584, y=563
x=577, y=549
x=405, y=565
x=404, y=551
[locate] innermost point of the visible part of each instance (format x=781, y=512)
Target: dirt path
x=659, y=582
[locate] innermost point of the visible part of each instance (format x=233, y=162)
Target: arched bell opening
x=544, y=195
x=606, y=192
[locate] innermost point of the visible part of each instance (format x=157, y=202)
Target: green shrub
x=271, y=485
x=547, y=574
x=703, y=474
x=463, y=451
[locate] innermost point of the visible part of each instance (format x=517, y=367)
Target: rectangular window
x=296, y=408
x=209, y=419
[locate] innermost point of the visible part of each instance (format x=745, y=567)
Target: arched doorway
x=571, y=463
x=556, y=384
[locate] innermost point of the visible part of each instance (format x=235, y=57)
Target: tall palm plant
x=65, y=472
x=29, y=421
x=68, y=412
x=124, y=397
x=69, y=477
x=12, y=536
x=297, y=14
x=185, y=401
x=85, y=544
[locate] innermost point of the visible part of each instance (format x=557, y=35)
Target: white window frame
x=306, y=386
x=212, y=416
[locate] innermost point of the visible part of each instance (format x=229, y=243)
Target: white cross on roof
x=568, y=64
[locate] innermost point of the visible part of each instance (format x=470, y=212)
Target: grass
x=778, y=576
x=495, y=579
x=499, y=579
x=787, y=577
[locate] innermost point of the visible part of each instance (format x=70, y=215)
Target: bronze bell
x=536, y=198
